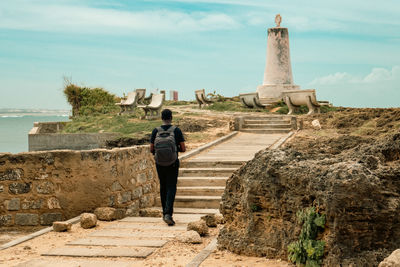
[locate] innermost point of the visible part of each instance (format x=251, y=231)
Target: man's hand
x=181, y=146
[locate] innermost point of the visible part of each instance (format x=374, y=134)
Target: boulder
x=150, y=212
x=61, y=226
x=359, y=197
x=191, y=237
x=392, y=261
x=106, y=213
x=210, y=220
x=219, y=219
x=88, y=220
x=199, y=226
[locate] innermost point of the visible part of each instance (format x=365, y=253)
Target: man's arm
x=182, y=147
x=152, y=148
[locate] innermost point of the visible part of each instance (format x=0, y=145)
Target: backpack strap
x=171, y=129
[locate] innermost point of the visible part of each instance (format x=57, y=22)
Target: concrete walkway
x=139, y=237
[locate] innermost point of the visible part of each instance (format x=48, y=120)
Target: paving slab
x=73, y=263
x=127, y=233
x=107, y=241
x=146, y=226
x=178, y=218
x=100, y=252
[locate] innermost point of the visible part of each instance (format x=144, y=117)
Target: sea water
x=16, y=124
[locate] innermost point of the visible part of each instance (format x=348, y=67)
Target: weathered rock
x=26, y=219
x=392, y=261
x=219, y=219
x=316, y=125
x=116, y=186
x=49, y=218
x=199, y=226
x=360, y=200
x=105, y=213
x=32, y=204
x=120, y=213
x=88, y=220
x=11, y=175
x=210, y=220
x=19, y=188
x=191, y=237
x=61, y=226
x=45, y=188
x=150, y=212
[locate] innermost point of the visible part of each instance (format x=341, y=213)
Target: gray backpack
x=165, y=146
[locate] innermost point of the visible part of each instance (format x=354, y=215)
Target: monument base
x=272, y=93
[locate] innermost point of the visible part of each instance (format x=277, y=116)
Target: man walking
x=165, y=143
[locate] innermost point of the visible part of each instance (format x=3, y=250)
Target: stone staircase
x=202, y=183
x=266, y=124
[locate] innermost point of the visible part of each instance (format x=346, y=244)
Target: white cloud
x=47, y=16
x=377, y=75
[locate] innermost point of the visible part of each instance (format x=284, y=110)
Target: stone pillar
x=278, y=70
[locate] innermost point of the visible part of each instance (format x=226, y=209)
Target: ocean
x=15, y=125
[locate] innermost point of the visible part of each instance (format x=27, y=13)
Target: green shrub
x=89, y=101
x=307, y=250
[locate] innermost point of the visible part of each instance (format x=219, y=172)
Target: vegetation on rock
x=307, y=250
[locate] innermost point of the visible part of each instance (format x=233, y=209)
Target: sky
x=349, y=51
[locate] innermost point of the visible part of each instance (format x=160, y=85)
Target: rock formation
x=357, y=189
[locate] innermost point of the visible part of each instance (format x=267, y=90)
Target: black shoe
x=168, y=219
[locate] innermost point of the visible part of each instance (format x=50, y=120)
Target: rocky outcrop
x=357, y=189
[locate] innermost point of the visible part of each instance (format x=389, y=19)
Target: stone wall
x=37, y=188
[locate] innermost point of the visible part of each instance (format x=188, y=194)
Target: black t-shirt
x=177, y=133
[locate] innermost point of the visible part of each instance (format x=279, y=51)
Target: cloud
x=376, y=75
x=62, y=17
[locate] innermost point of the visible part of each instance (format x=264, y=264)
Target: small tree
x=73, y=95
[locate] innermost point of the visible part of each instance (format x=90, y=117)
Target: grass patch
x=233, y=106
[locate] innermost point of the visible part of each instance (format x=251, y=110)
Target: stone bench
x=141, y=94
x=129, y=104
x=250, y=100
x=154, y=107
x=201, y=98
x=296, y=98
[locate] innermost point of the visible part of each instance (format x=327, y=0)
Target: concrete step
x=193, y=211
x=203, y=202
x=268, y=122
x=215, y=172
x=195, y=202
x=200, y=190
x=202, y=181
x=266, y=131
x=209, y=164
x=266, y=126
x=267, y=118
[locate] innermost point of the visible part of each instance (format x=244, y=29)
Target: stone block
x=124, y=197
x=147, y=188
x=32, y=204
x=19, y=188
x=12, y=204
x=199, y=226
x=45, y=188
x=146, y=201
x=53, y=203
x=137, y=193
x=26, y=219
x=49, y=218
x=143, y=164
x=141, y=178
x=150, y=175
x=111, y=201
x=61, y=226
x=133, y=209
x=1, y=188
x=116, y=186
x=105, y=213
x=6, y=220
x=120, y=214
x=88, y=220
x=11, y=175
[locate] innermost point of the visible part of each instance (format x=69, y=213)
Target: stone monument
x=278, y=70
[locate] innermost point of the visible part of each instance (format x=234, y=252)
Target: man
x=167, y=165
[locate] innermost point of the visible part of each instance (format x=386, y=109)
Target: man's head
x=166, y=115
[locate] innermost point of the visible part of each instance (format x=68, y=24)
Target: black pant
x=168, y=176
